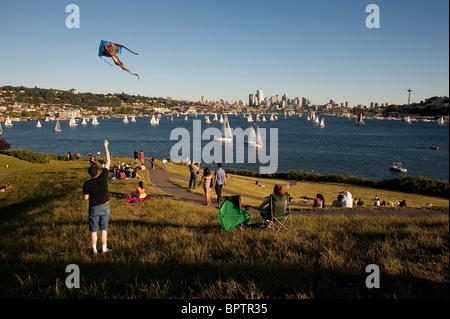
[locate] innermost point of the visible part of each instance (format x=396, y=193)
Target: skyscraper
x=260, y=95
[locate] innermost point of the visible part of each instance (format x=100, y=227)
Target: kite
x=111, y=50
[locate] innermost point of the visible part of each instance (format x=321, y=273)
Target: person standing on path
x=142, y=157
x=194, y=171
x=219, y=180
x=136, y=156
x=96, y=191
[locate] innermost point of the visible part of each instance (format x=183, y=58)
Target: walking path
x=161, y=180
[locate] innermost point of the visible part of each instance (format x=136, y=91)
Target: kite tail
x=129, y=50
x=135, y=74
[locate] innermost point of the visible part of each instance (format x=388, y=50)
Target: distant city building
x=260, y=96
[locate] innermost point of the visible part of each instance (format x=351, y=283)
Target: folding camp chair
x=280, y=213
x=230, y=215
x=235, y=199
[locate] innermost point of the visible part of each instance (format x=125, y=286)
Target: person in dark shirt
x=96, y=191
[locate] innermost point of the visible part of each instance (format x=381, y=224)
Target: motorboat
x=398, y=167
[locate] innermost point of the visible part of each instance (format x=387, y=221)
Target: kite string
x=106, y=61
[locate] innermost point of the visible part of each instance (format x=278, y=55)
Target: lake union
x=341, y=147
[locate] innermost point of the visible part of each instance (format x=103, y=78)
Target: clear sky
x=228, y=49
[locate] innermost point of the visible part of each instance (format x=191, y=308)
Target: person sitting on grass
x=141, y=195
x=319, y=202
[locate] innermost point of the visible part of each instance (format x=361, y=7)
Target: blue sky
x=318, y=49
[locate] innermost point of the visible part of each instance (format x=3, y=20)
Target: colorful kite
x=111, y=50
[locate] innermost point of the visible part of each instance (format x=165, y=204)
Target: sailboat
x=227, y=135
x=313, y=116
x=215, y=119
x=125, y=119
x=133, y=119
x=408, y=120
x=221, y=119
x=259, y=142
x=316, y=121
x=57, y=128
x=322, y=123
x=8, y=122
x=94, y=121
x=207, y=120
x=38, y=124
x=171, y=119
x=154, y=121
x=47, y=119
x=264, y=119
x=83, y=122
x=441, y=121
x=257, y=118
x=271, y=118
x=360, y=119
x=72, y=122
x=250, y=118
x=186, y=118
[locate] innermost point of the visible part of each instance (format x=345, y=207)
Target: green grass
x=173, y=249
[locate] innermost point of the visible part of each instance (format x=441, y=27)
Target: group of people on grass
x=125, y=171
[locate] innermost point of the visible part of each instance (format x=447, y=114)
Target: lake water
x=341, y=147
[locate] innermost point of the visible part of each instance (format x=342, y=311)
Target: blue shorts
x=99, y=215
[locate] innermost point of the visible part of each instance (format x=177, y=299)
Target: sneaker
x=94, y=253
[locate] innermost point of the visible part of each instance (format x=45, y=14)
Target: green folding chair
x=235, y=199
x=230, y=215
x=280, y=218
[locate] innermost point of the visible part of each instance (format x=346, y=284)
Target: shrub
x=4, y=145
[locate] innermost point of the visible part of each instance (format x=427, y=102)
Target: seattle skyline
x=321, y=50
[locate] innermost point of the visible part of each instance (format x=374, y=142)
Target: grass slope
x=172, y=249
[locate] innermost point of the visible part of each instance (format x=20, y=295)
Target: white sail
x=259, y=142
x=257, y=118
x=125, y=119
x=250, y=118
x=186, y=118
x=154, y=121
x=227, y=135
x=133, y=119
x=264, y=119
x=72, y=122
x=252, y=137
x=215, y=119
x=408, y=120
x=8, y=122
x=47, y=119
x=94, y=121
x=207, y=120
x=83, y=122
x=322, y=123
x=57, y=127
x=271, y=118
x=316, y=121
x=441, y=121
x=38, y=124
